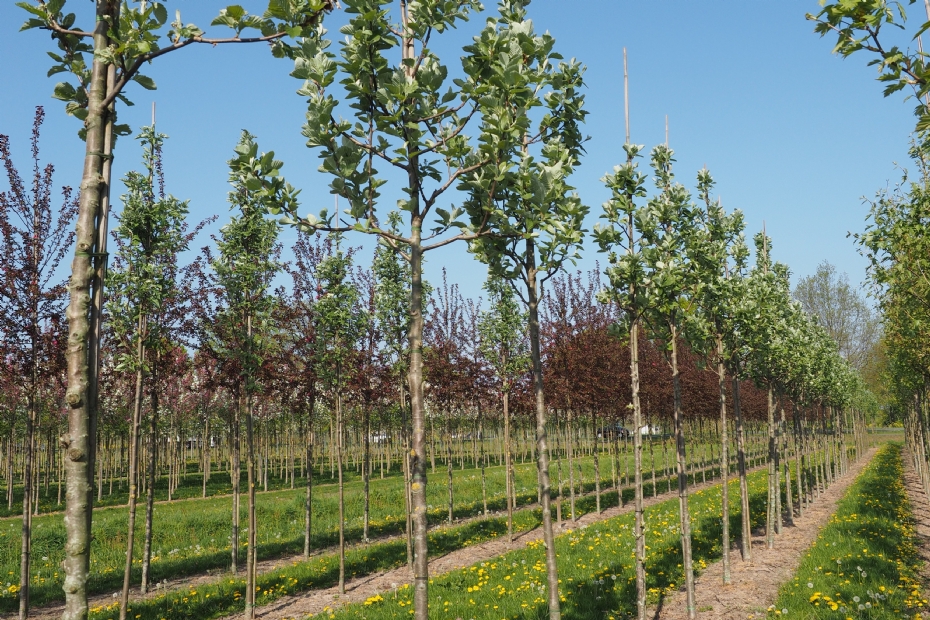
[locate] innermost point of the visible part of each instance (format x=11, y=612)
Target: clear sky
x=794, y=135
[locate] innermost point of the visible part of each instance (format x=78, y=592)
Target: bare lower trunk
x=724, y=464
x=26, y=552
x=133, y=483
x=342, y=517
x=746, y=540
x=234, y=473
x=150, y=491
x=309, y=495
x=83, y=344
x=250, y=553
x=366, y=466
x=639, y=530
x=682, y=482
x=508, y=467
x=542, y=449
x=771, y=516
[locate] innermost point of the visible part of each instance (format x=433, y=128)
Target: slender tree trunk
x=597, y=465
x=342, y=510
x=250, y=554
x=789, y=514
x=569, y=443
x=746, y=536
x=309, y=495
x=82, y=347
x=639, y=530
x=366, y=466
x=150, y=492
x=29, y=457
x=724, y=463
x=448, y=441
x=682, y=482
x=206, y=450
x=542, y=449
x=234, y=473
x=133, y=476
x=771, y=517
x=508, y=466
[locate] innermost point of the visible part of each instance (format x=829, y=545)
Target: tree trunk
x=342, y=519
x=639, y=531
x=150, y=492
x=250, y=553
x=542, y=449
x=771, y=518
x=82, y=346
x=746, y=541
x=133, y=477
x=309, y=496
x=724, y=463
x=234, y=474
x=26, y=553
x=508, y=466
x=366, y=466
x=682, y=482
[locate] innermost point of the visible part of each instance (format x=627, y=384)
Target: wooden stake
x=626, y=96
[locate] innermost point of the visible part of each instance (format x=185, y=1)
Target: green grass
x=189, y=487
x=608, y=542
x=192, y=537
x=864, y=563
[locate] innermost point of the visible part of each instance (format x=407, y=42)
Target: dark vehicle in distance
x=614, y=430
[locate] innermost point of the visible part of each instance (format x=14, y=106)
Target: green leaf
x=144, y=81
x=63, y=91
x=235, y=11
x=160, y=12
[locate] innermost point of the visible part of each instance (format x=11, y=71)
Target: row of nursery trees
x=367, y=348
x=895, y=240
x=327, y=367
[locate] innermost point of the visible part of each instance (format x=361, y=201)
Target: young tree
x=246, y=264
x=536, y=218
x=123, y=39
x=340, y=323
x=627, y=274
x=143, y=283
x=410, y=120
x=33, y=241
x=721, y=237
x=503, y=344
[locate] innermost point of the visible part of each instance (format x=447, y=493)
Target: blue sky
x=794, y=135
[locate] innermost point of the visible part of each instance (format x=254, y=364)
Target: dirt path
x=755, y=586
x=920, y=507
x=357, y=590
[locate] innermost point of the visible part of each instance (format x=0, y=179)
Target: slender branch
x=138, y=62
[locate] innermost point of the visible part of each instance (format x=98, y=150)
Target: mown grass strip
x=864, y=563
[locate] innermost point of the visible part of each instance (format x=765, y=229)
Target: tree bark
x=78, y=444
x=746, y=538
x=508, y=466
x=150, y=491
x=342, y=520
x=682, y=482
x=724, y=464
x=542, y=449
x=133, y=474
x=639, y=530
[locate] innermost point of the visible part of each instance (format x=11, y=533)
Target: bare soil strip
x=358, y=590
x=920, y=508
x=755, y=586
